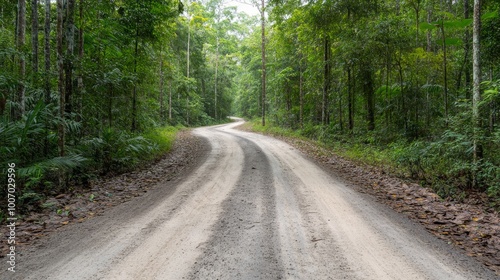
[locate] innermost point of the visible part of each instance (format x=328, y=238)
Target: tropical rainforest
x=94, y=87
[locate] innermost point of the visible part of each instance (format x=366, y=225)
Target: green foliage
x=163, y=138
x=385, y=83
x=117, y=150
x=23, y=142
x=130, y=66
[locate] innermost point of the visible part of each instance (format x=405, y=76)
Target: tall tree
x=141, y=19
x=263, y=51
x=69, y=56
x=20, y=42
x=476, y=92
x=60, y=80
x=80, y=59
x=34, y=35
x=326, y=82
x=47, y=51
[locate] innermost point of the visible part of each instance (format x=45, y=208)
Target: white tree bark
x=476, y=90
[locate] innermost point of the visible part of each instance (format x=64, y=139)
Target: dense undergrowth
x=41, y=172
x=444, y=164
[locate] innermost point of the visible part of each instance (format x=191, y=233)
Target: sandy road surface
x=253, y=208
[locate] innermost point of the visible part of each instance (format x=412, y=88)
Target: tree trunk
x=263, y=50
x=301, y=97
x=187, y=64
x=170, y=100
x=162, y=78
x=110, y=106
x=341, y=111
x=402, y=89
x=80, y=62
x=350, y=98
x=34, y=36
x=445, y=74
x=134, y=90
x=20, y=42
x=46, y=75
x=60, y=68
x=70, y=46
x=370, y=97
x=386, y=99
x=216, y=72
x=476, y=93
x=326, y=82
x=47, y=51
x=467, y=47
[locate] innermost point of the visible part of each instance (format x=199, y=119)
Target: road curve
x=253, y=208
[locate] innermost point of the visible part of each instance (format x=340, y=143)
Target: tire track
x=244, y=243
x=254, y=209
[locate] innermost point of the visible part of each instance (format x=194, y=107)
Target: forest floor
x=232, y=204
x=470, y=224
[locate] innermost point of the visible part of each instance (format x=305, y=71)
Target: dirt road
x=253, y=208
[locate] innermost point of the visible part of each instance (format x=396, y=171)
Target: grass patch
x=345, y=146
x=163, y=137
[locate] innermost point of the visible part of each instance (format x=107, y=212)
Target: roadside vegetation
x=432, y=164
x=388, y=83
x=96, y=88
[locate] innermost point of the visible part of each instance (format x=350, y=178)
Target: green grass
x=346, y=147
x=163, y=137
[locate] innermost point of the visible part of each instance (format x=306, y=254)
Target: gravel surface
x=85, y=203
x=469, y=225
x=248, y=207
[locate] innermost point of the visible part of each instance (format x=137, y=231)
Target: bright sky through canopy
x=247, y=8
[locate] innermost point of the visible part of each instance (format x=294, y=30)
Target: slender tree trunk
x=188, y=44
x=301, y=96
x=476, y=93
x=445, y=74
x=341, y=111
x=134, y=90
x=80, y=62
x=34, y=36
x=187, y=65
x=47, y=51
x=350, y=98
x=326, y=83
x=467, y=47
x=60, y=66
x=216, y=72
x=68, y=60
x=464, y=67
x=162, y=78
x=263, y=51
x=47, y=71
x=20, y=42
x=170, y=100
x=370, y=98
x=387, y=73
x=402, y=89
x=110, y=106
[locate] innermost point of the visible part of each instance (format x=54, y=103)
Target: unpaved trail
x=253, y=208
